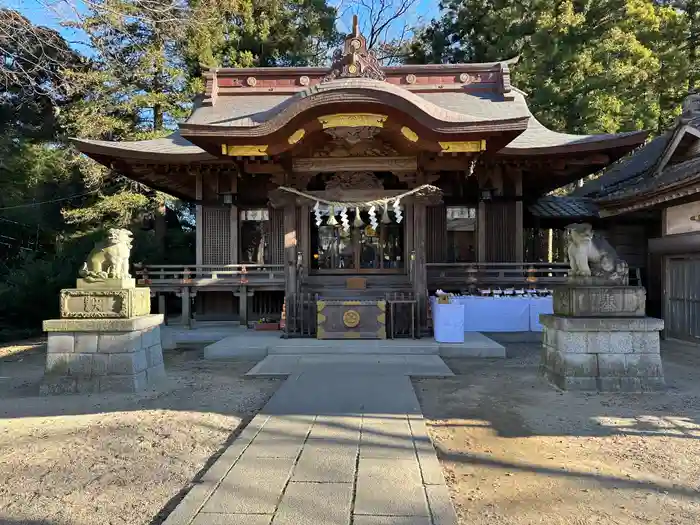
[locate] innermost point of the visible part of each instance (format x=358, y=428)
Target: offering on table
x=485, y=292
x=520, y=292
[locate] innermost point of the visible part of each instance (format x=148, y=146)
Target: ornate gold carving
x=464, y=78
x=411, y=78
x=381, y=318
x=304, y=80
x=320, y=318
x=320, y=305
x=224, y=150
x=353, y=120
x=352, y=303
x=296, y=136
x=470, y=146
x=409, y=134
x=251, y=81
x=247, y=151
x=381, y=333
x=351, y=318
x=381, y=305
x=355, y=60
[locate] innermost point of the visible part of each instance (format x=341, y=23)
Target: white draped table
x=503, y=314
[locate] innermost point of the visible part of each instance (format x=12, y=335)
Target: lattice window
x=216, y=231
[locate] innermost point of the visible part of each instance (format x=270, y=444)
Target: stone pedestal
x=102, y=355
x=598, y=339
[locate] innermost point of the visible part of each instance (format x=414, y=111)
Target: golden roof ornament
x=355, y=60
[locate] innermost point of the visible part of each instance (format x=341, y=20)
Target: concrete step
x=362, y=365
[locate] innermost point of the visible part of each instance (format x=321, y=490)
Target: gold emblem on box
x=351, y=318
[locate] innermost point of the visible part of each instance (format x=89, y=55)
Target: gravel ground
x=516, y=451
x=118, y=458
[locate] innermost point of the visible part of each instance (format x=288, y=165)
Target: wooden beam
x=336, y=164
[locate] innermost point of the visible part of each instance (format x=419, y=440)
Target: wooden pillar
x=481, y=232
x=290, y=249
x=161, y=304
x=242, y=294
x=186, y=307
x=519, y=231
x=234, y=222
x=305, y=240
x=420, y=284
x=199, y=232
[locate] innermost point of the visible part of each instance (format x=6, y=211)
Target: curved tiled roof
x=274, y=112
x=175, y=146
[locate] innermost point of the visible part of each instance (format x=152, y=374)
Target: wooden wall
x=500, y=229
x=216, y=235
x=436, y=234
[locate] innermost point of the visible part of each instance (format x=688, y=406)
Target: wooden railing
x=451, y=276
x=208, y=274
x=463, y=275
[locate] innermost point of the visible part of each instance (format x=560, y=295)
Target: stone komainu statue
x=592, y=258
x=109, y=259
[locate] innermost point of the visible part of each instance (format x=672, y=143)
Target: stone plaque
x=600, y=301
x=105, y=304
x=351, y=319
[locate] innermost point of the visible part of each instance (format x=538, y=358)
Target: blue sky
x=52, y=12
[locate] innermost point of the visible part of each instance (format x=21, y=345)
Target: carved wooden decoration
x=363, y=148
x=355, y=60
x=353, y=135
x=354, y=180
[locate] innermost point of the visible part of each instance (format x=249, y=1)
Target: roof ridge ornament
x=355, y=60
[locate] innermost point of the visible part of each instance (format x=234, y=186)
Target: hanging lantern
x=331, y=218
x=344, y=219
x=317, y=214
x=357, y=223
x=385, y=215
x=397, y=211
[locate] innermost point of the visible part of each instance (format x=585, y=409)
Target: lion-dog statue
x=109, y=259
x=592, y=258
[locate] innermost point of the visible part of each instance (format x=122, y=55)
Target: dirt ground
x=118, y=458
x=516, y=451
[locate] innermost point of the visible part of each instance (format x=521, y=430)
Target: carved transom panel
x=353, y=135
x=354, y=180
x=340, y=147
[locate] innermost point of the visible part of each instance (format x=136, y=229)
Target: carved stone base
x=102, y=355
x=599, y=301
x=602, y=354
x=103, y=303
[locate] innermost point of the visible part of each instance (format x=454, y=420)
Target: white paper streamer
x=397, y=211
x=317, y=213
x=344, y=219
x=373, y=218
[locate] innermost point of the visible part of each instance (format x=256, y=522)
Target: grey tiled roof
x=627, y=170
x=564, y=207
x=674, y=174
x=173, y=145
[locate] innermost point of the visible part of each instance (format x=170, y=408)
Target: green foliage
x=597, y=66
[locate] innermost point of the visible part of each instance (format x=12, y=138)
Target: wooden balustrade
x=159, y=275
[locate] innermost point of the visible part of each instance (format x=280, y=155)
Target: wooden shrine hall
x=303, y=180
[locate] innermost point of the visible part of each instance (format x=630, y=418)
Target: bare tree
x=388, y=25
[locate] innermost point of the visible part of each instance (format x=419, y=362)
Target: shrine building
x=357, y=181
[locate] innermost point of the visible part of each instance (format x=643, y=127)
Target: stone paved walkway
x=327, y=449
